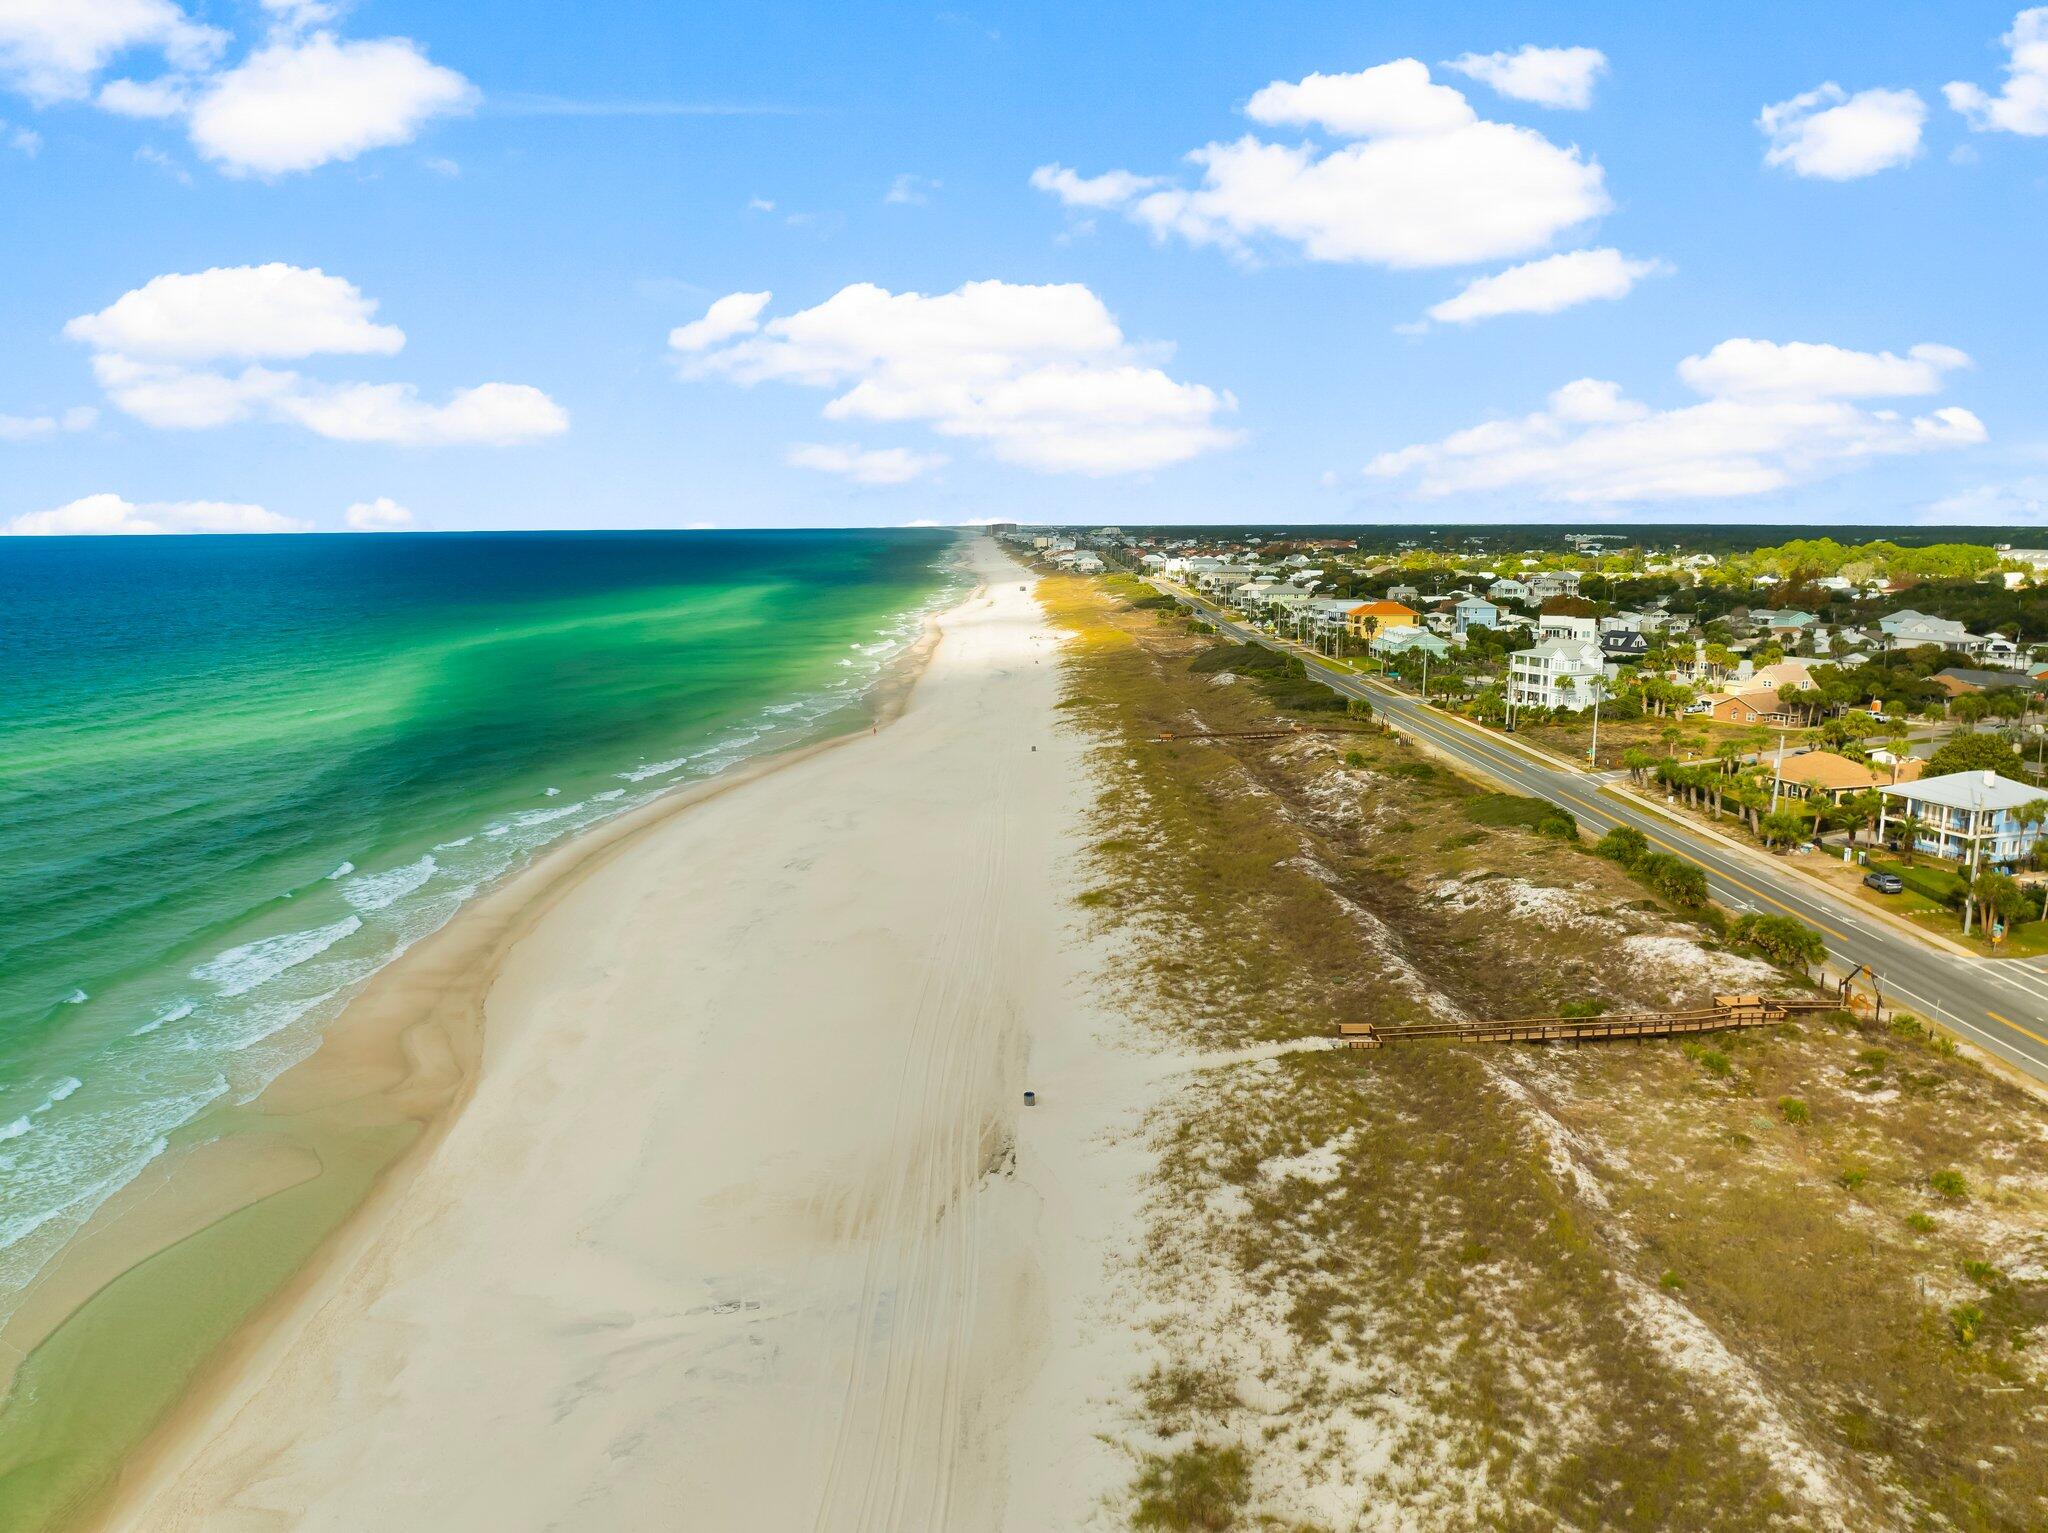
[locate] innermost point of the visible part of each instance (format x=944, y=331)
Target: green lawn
x=1925, y=900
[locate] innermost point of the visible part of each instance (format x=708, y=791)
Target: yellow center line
x=2008, y=1021
x=1726, y=877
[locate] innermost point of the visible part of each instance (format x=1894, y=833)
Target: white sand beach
x=744, y=1224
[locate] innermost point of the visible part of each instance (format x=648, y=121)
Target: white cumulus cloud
x=734, y=314
x=304, y=102
x=1423, y=181
x=1772, y=416
x=267, y=311
x=380, y=515
x=298, y=99
x=1559, y=77
x=1834, y=136
x=51, y=50
x=490, y=415
x=1547, y=286
x=156, y=99
x=1746, y=369
x=2022, y=107
x=109, y=515
x=1041, y=375
x=874, y=465
x=152, y=345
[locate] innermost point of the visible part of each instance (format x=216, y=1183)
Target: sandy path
x=736, y=1231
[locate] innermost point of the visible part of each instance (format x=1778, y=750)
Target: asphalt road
x=2000, y=1004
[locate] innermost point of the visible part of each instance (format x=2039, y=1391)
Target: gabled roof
x=1826, y=769
x=1969, y=790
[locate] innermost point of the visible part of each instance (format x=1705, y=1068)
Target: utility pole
x=1593, y=751
x=1778, y=772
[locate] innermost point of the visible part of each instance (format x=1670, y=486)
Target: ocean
x=240, y=775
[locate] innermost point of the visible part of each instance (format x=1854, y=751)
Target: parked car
x=1885, y=883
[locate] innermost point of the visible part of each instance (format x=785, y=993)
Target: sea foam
x=373, y=891
x=241, y=969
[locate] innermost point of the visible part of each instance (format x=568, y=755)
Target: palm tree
x=2032, y=815
x=1910, y=826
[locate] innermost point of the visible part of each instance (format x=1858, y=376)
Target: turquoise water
x=239, y=775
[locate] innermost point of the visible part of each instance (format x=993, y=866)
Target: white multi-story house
x=1549, y=583
x=1509, y=589
x=1559, y=625
x=1557, y=673
x=1967, y=816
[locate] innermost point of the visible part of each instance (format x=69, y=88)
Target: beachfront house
x=1402, y=641
x=1910, y=630
x=1551, y=583
x=1474, y=612
x=1562, y=625
x=1508, y=589
x=1787, y=624
x=1827, y=775
x=1369, y=618
x=1965, y=816
x=1557, y=673
x=1755, y=707
x=1787, y=674
x=1623, y=646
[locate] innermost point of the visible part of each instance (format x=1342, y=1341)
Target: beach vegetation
x=1200, y=1489
x=1447, y=1264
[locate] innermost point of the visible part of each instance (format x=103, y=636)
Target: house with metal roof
x=1966, y=816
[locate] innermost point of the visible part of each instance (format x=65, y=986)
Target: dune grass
x=1621, y=1286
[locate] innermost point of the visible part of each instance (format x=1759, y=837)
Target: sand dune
x=737, y=1230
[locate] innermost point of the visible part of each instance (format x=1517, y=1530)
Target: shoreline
x=642, y=1133
x=323, y=1148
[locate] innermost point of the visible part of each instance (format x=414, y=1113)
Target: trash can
x=1030, y=1099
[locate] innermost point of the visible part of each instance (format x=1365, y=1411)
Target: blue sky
x=449, y=299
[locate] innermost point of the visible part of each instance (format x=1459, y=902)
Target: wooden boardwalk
x=1727, y=1012
x=1266, y=734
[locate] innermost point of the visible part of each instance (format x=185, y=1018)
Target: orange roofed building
x=1823, y=774
x=1376, y=617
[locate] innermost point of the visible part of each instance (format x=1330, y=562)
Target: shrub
x=1852, y=1177
x=1794, y=1111
x=1539, y=815
x=1671, y=1282
x=1200, y=1487
x=1677, y=880
x=1623, y=844
x=1950, y=1185
x=1711, y=1060
x=1354, y=758
x=1964, y=1322
x=1983, y=1274
x=1240, y=659
x=1582, y=1008
x=1920, y=1224
x=1300, y=695
x=1785, y=941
